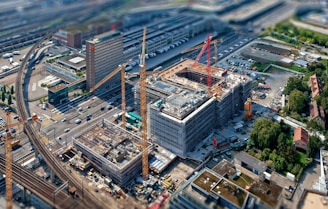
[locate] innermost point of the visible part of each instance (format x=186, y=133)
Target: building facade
x=182, y=112
x=317, y=113
x=58, y=94
x=111, y=149
x=301, y=138
x=104, y=53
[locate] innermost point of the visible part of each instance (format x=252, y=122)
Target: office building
x=58, y=94
x=181, y=110
x=104, y=53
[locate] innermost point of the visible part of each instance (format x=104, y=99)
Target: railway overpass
x=41, y=188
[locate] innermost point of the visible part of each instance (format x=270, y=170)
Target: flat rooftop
x=313, y=200
x=269, y=193
x=112, y=142
x=219, y=187
x=88, y=26
x=185, y=83
x=74, y=61
x=57, y=87
x=216, y=5
x=161, y=159
x=249, y=10
x=104, y=37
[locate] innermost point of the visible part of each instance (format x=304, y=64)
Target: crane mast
x=216, y=52
x=143, y=108
x=123, y=96
x=9, y=159
x=207, y=47
x=8, y=162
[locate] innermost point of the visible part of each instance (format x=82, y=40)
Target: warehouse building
x=182, y=112
x=114, y=151
x=170, y=31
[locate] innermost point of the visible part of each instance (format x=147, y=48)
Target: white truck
x=5, y=68
x=7, y=55
x=15, y=64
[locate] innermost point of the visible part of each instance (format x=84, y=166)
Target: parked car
x=78, y=121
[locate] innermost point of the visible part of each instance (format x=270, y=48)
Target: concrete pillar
x=52, y=176
x=26, y=196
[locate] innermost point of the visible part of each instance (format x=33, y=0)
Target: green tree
x=265, y=133
x=284, y=127
x=9, y=99
x=297, y=101
x=265, y=154
x=270, y=164
x=296, y=169
x=4, y=88
x=42, y=99
x=313, y=125
x=273, y=155
x=312, y=146
x=325, y=144
x=3, y=96
x=282, y=143
x=295, y=83
x=290, y=155
x=12, y=90
x=279, y=164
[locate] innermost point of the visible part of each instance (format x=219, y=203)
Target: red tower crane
x=207, y=47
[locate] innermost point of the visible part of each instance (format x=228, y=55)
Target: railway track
x=88, y=198
x=41, y=188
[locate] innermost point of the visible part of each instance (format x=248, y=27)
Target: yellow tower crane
x=121, y=68
x=143, y=108
x=9, y=158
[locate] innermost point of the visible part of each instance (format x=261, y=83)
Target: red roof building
x=317, y=113
x=315, y=84
x=301, y=138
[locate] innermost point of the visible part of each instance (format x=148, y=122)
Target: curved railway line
x=42, y=188
x=90, y=200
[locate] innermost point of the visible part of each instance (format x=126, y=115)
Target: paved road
x=309, y=26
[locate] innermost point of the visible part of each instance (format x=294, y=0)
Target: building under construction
x=115, y=152
x=182, y=109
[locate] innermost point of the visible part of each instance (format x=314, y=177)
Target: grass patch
x=301, y=158
x=297, y=68
x=289, y=33
x=259, y=66
x=243, y=180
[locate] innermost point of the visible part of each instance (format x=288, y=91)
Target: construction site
x=114, y=151
x=184, y=108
